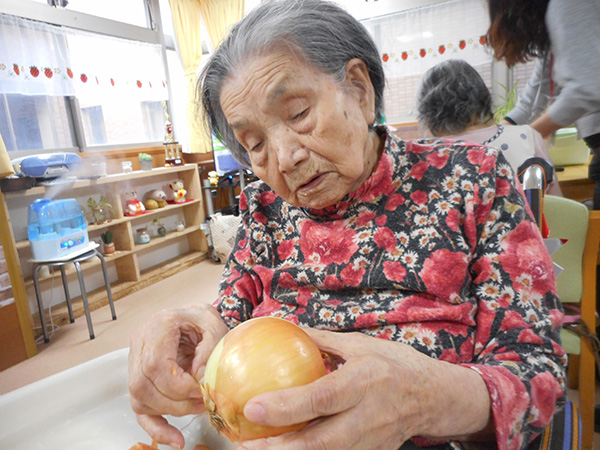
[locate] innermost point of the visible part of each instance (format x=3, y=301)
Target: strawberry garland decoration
x=441, y=49
x=49, y=72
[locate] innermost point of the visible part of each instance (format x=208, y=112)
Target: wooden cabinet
x=133, y=265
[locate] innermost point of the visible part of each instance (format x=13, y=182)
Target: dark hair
x=450, y=94
x=322, y=33
x=518, y=29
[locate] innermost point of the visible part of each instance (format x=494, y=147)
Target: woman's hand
x=384, y=394
x=167, y=357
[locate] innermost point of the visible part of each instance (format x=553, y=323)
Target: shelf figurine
x=133, y=206
x=142, y=236
x=179, y=226
x=172, y=156
x=178, y=191
x=155, y=199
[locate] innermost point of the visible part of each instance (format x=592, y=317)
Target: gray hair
x=323, y=33
x=450, y=94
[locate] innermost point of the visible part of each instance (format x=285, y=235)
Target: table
x=575, y=183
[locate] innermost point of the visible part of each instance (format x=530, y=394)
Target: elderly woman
x=425, y=249
x=453, y=102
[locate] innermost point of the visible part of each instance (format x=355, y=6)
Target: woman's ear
x=359, y=82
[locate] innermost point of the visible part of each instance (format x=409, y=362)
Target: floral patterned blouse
x=436, y=250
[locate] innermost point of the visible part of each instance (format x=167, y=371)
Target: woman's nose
x=290, y=154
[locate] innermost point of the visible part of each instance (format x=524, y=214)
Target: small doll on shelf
x=134, y=206
x=178, y=191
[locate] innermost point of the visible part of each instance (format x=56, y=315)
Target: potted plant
x=107, y=240
x=145, y=161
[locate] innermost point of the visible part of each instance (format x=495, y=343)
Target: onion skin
x=259, y=355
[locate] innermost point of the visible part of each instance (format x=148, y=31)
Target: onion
x=259, y=355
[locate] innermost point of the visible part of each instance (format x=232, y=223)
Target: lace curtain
x=41, y=59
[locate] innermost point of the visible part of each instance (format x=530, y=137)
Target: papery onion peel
x=260, y=355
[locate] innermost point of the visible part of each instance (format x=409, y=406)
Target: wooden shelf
x=169, y=237
x=113, y=178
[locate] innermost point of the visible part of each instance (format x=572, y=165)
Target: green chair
x=576, y=285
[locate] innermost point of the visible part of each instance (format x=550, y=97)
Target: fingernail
x=255, y=412
x=175, y=445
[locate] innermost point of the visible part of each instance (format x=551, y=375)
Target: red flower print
x=526, y=260
x=381, y=221
x=285, y=249
x=366, y=320
x=453, y=219
x=286, y=281
x=483, y=267
x=503, y=187
x=351, y=276
x=438, y=159
x=488, y=163
x=419, y=197
x=512, y=320
x=260, y=217
x=333, y=283
x=384, y=237
x=418, y=170
x=444, y=273
x=395, y=271
x=394, y=201
x=364, y=218
x=267, y=197
x=243, y=202
x=545, y=390
x=243, y=255
x=476, y=155
x=331, y=241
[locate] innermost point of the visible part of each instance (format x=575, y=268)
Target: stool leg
x=86, y=307
x=67, y=295
x=38, y=297
x=108, y=291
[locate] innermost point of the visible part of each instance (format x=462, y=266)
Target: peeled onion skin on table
x=260, y=355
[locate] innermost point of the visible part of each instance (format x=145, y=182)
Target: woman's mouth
x=311, y=184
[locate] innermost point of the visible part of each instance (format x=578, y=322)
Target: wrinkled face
x=306, y=135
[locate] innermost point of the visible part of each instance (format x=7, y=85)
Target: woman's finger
x=331, y=394
x=159, y=429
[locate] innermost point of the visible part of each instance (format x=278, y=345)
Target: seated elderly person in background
x=453, y=102
x=425, y=249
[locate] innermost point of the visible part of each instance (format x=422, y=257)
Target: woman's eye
x=300, y=115
x=255, y=147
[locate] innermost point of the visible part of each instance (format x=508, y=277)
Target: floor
x=70, y=344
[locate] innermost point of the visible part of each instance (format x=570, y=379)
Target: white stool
x=76, y=262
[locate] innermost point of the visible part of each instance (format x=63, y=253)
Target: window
x=34, y=122
x=53, y=77
x=410, y=42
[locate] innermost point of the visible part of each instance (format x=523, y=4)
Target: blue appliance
x=48, y=165
x=56, y=229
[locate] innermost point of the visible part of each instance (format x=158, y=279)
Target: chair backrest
x=568, y=220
